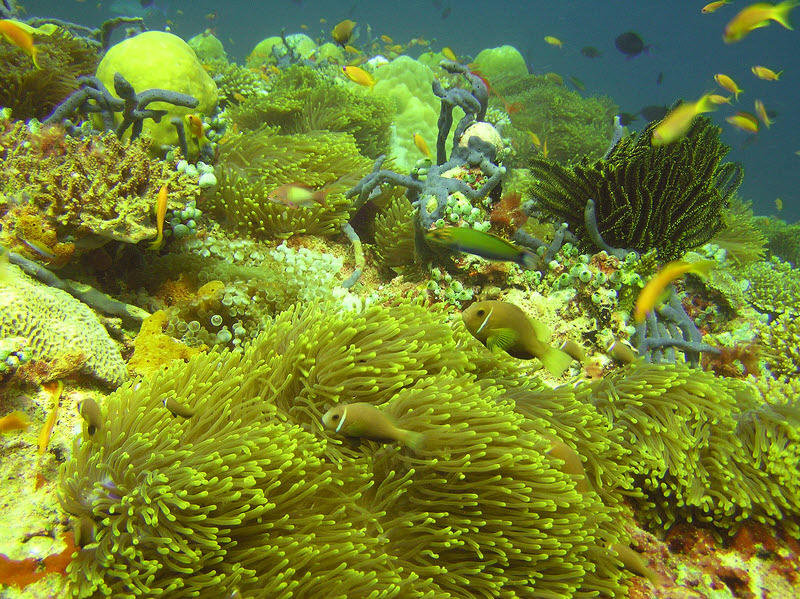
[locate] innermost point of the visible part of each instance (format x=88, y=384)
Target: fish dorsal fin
x=502, y=339
x=341, y=420
x=541, y=330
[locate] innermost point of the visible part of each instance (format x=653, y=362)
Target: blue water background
x=686, y=46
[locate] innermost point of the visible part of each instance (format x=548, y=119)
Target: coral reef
x=774, y=287
x=394, y=233
x=34, y=93
x=783, y=239
x=668, y=198
x=255, y=163
x=742, y=239
x=63, y=336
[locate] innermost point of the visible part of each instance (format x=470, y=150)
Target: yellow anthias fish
x=365, y=421
x=765, y=73
x=161, y=211
x=449, y=54
x=778, y=204
x=744, y=121
x=196, y=129
x=718, y=99
x=761, y=111
x=421, y=145
x=654, y=290
x=713, y=6
x=385, y=38
x=728, y=84
x=553, y=41
x=359, y=75
x=21, y=38
x=504, y=326
x=755, y=16
x=677, y=122
x=15, y=421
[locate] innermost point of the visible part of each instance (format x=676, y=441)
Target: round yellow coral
x=156, y=59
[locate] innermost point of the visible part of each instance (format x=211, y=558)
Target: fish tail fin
x=415, y=441
x=35, y=57
x=782, y=10
x=529, y=260
x=555, y=361
x=778, y=75
x=156, y=243
x=703, y=268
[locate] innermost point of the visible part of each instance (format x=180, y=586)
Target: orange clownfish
x=359, y=75
x=654, y=290
x=161, y=211
x=755, y=16
x=21, y=38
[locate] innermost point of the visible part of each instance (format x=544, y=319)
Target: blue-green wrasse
x=482, y=244
x=364, y=420
x=504, y=326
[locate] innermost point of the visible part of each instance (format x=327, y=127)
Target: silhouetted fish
x=630, y=44
x=654, y=113
x=626, y=118
x=591, y=52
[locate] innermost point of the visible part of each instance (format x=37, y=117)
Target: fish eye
x=481, y=312
x=335, y=417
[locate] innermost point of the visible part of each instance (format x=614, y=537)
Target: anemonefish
x=21, y=38
x=296, y=195
x=196, y=129
x=655, y=287
x=364, y=420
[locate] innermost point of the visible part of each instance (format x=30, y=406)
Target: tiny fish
x=713, y=6
x=421, y=145
x=482, y=244
x=765, y=73
x=176, y=408
x=196, y=129
x=343, y=31
x=778, y=204
x=15, y=421
x=296, y=195
x=92, y=414
x=55, y=390
x=622, y=351
x=21, y=38
x=591, y=52
x=761, y=111
x=718, y=99
x=755, y=16
x=448, y=53
x=385, y=38
x=161, y=211
x=553, y=41
x=576, y=82
x=504, y=326
x=364, y=420
x=728, y=84
x=655, y=287
x=359, y=75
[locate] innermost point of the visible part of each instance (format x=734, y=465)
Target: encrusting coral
x=669, y=198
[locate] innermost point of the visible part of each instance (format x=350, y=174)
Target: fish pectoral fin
x=542, y=331
x=502, y=339
x=555, y=361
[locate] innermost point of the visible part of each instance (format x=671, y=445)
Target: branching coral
x=302, y=100
x=97, y=185
x=669, y=198
x=782, y=346
x=34, y=93
x=783, y=240
x=774, y=287
x=255, y=163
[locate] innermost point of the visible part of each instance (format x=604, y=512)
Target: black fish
x=630, y=44
x=446, y=12
x=626, y=118
x=591, y=52
x=654, y=113
x=660, y=78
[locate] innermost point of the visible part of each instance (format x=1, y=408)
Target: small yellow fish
x=655, y=287
x=553, y=41
x=352, y=50
x=744, y=121
x=21, y=38
x=448, y=53
x=386, y=39
x=545, y=151
x=713, y=6
x=343, y=31
x=761, y=111
x=504, y=326
x=534, y=138
x=296, y=195
x=196, y=129
x=364, y=420
x=161, y=211
x=718, y=99
x=677, y=122
x=55, y=389
x=421, y=145
x=728, y=84
x=359, y=75
x=765, y=73
x=15, y=421
x=755, y=16
x=778, y=204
